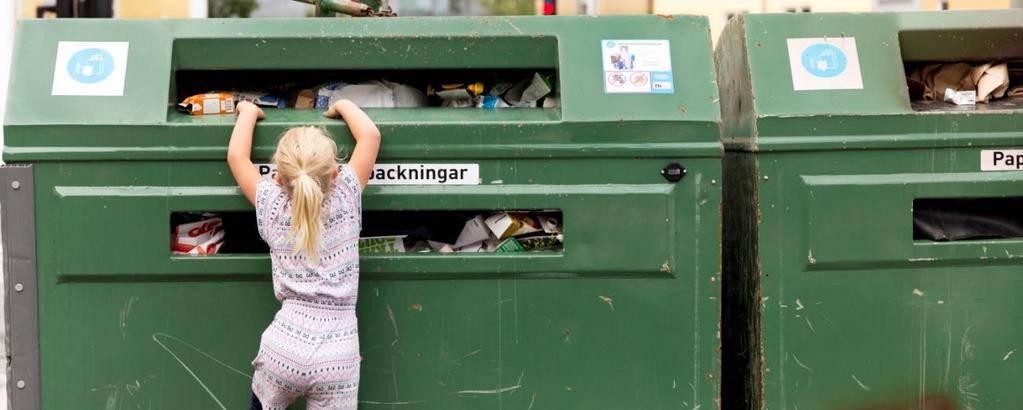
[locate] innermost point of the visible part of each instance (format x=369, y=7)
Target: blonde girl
x=310, y=215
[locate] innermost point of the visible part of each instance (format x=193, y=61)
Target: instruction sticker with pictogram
x=824, y=64
x=637, y=66
x=90, y=68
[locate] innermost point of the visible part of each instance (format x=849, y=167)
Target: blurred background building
x=114, y=8
x=718, y=11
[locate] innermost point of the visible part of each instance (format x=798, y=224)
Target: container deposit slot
x=967, y=219
x=489, y=73
x=385, y=232
x=964, y=70
x=299, y=89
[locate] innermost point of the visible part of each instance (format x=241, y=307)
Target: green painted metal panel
x=642, y=210
x=572, y=45
x=840, y=305
x=626, y=316
x=857, y=313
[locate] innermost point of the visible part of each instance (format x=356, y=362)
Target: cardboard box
x=306, y=99
x=508, y=224
x=475, y=230
x=202, y=237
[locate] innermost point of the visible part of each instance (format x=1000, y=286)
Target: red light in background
x=550, y=7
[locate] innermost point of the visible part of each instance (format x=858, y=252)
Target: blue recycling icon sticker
x=824, y=60
x=90, y=65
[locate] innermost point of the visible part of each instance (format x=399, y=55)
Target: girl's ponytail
x=306, y=226
x=306, y=160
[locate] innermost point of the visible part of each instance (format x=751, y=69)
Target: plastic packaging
x=461, y=91
x=323, y=93
x=378, y=94
x=207, y=104
x=510, y=245
x=261, y=99
x=197, y=234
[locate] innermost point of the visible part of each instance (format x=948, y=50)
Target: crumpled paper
x=992, y=80
x=989, y=80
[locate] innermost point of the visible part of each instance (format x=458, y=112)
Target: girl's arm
x=239, y=151
x=367, y=138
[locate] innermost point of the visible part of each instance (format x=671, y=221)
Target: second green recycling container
x=841, y=198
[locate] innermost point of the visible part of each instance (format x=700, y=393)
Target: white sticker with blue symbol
x=90, y=68
x=824, y=64
x=637, y=66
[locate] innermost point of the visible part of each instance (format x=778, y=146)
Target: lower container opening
x=965, y=219
x=384, y=232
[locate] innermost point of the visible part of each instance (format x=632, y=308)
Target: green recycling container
x=626, y=149
x=871, y=239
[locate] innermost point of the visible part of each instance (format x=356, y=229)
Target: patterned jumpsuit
x=312, y=346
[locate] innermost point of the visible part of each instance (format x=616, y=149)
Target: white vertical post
x=198, y=9
x=8, y=16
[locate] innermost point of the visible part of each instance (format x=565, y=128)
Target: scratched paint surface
x=854, y=313
x=626, y=317
x=145, y=332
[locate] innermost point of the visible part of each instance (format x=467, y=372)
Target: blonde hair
x=306, y=160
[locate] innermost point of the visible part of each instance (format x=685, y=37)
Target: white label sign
x=1001, y=160
x=90, y=68
x=824, y=64
x=637, y=66
x=411, y=174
